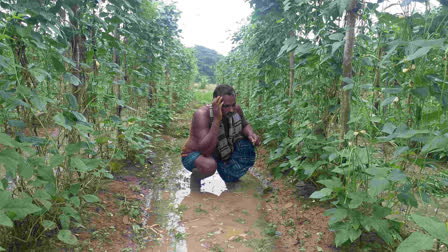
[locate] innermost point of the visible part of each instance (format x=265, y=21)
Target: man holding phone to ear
x=220, y=139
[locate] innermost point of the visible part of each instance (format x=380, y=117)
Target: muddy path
x=152, y=207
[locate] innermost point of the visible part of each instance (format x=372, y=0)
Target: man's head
x=228, y=97
x=223, y=89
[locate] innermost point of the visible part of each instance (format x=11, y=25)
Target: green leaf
x=39, y=102
x=91, y=198
x=345, y=232
x=421, y=92
x=11, y=159
x=400, y=151
x=65, y=221
x=388, y=101
x=337, y=215
x=68, y=77
x=26, y=170
x=356, y=199
x=39, y=74
x=336, y=36
x=433, y=226
x=5, y=197
x=71, y=149
x=72, y=101
x=101, y=139
x=48, y=225
x=57, y=64
x=377, y=185
x=397, y=175
x=78, y=164
x=80, y=117
x=438, y=143
x=67, y=237
x=70, y=211
x=60, y=120
x=56, y=160
x=75, y=201
x=321, y=194
x=74, y=189
x=416, y=242
x=20, y=208
x=8, y=141
x=419, y=53
x=2, y=249
x=331, y=183
x=388, y=128
x=16, y=123
x=5, y=220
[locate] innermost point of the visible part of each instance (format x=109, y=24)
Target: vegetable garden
x=344, y=94
x=353, y=99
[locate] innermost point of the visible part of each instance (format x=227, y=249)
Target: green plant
x=437, y=232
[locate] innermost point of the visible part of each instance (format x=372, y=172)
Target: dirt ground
x=110, y=227
x=300, y=222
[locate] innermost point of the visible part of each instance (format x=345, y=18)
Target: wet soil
x=152, y=208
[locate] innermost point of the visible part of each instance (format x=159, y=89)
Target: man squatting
x=220, y=139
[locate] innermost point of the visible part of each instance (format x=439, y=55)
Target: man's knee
x=206, y=165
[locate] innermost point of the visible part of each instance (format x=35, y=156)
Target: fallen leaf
x=288, y=205
x=126, y=220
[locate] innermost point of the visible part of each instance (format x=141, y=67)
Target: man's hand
x=254, y=139
x=217, y=105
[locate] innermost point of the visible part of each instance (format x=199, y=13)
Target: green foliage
x=81, y=89
x=398, y=121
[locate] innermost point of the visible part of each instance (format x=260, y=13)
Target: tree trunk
x=78, y=56
x=290, y=91
x=350, y=21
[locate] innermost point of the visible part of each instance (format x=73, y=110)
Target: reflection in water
x=177, y=182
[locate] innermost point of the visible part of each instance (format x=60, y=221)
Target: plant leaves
x=5, y=220
x=48, y=225
x=66, y=236
x=91, y=198
x=357, y=199
x=377, y=185
x=20, y=208
x=433, y=226
x=68, y=77
x=419, y=53
x=321, y=194
x=416, y=242
x=388, y=101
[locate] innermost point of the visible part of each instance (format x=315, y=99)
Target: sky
x=211, y=23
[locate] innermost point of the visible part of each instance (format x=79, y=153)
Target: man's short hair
x=223, y=89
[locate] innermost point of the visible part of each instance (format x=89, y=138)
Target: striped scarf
x=225, y=144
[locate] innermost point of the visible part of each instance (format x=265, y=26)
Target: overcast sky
x=211, y=23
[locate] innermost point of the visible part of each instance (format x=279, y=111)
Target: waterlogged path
x=219, y=217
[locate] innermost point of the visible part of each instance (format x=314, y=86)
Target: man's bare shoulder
x=202, y=115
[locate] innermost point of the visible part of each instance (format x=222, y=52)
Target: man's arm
x=247, y=130
x=206, y=137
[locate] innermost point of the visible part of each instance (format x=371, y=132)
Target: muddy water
x=218, y=217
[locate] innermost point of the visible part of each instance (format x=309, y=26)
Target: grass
x=203, y=97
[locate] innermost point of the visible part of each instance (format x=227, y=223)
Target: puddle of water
x=176, y=184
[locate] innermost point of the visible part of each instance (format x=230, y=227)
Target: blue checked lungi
x=243, y=157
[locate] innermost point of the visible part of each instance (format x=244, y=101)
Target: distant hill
x=207, y=58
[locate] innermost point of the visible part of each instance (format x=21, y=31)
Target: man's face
x=228, y=105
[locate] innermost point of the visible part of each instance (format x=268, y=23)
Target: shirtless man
x=220, y=139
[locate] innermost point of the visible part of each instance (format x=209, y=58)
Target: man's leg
x=243, y=157
x=205, y=165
